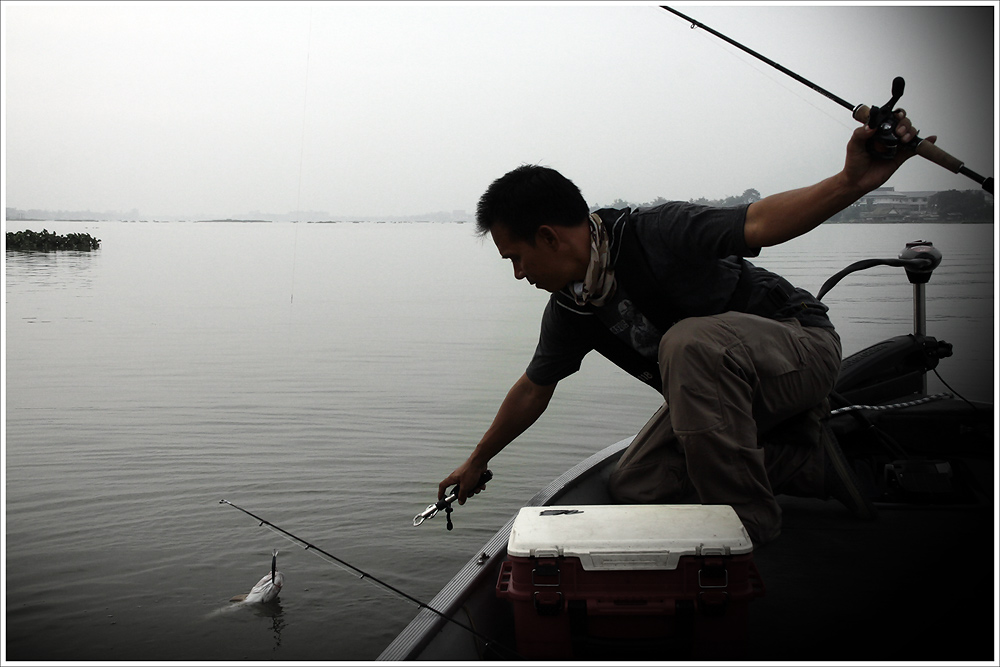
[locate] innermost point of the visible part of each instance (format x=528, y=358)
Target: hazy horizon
x=220, y=110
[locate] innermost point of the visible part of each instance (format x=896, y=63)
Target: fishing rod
x=881, y=118
x=375, y=580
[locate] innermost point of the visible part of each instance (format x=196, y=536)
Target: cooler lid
x=628, y=537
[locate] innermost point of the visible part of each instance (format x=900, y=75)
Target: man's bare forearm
x=523, y=405
x=784, y=216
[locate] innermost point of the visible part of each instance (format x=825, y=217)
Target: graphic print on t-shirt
x=624, y=320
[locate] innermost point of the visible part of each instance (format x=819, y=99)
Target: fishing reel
x=884, y=142
x=883, y=119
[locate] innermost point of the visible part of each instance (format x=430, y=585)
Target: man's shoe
x=841, y=482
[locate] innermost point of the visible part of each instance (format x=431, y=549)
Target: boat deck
x=916, y=584
x=909, y=586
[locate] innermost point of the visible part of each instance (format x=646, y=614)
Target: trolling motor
x=918, y=259
x=898, y=366
x=919, y=276
x=892, y=375
x=445, y=503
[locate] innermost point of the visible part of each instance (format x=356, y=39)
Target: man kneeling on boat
x=744, y=360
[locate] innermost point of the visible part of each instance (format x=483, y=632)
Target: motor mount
x=924, y=250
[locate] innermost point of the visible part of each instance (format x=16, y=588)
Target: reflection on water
x=272, y=610
x=173, y=367
x=66, y=269
x=270, y=613
x=31, y=275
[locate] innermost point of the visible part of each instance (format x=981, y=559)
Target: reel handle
x=884, y=142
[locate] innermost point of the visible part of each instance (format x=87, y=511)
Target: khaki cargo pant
x=740, y=422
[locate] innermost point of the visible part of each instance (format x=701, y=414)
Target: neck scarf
x=599, y=283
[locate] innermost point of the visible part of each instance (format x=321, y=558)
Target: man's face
x=546, y=264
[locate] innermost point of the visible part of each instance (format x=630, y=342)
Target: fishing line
x=302, y=151
x=766, y=73
x=822, y=91
x=344, y=565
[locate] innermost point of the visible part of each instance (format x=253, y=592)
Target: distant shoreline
x=458, y=222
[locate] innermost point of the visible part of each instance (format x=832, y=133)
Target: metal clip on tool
x=445, y=504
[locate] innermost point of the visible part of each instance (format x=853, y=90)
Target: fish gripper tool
x=445, y=503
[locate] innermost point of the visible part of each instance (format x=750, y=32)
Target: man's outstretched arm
x=523, y=405
x=786, y=215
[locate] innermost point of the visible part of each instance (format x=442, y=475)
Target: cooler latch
x=545, y=573
x=713, y=580
x=713, y=574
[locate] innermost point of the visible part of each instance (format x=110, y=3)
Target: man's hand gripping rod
x=882, y=119
x=445, y=503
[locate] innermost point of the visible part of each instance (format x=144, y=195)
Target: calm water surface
x=325, y=377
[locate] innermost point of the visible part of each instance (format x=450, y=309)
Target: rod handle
x=925, y=149
x=938, y=156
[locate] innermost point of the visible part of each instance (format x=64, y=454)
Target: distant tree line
x=943, y=206
x=966, y=204
x=749, y=196
x=946, y=205
x=33, y=214
x=46, y=241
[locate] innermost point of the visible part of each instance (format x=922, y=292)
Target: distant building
x=886, y=205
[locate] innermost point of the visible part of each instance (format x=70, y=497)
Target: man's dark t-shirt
x=693, y=256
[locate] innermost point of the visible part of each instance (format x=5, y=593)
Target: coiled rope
x=892, y=406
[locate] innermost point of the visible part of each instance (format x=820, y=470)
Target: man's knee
x=691, y=340
x=707, y=373
x=701, y=347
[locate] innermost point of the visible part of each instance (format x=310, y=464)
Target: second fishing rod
x=429, y=513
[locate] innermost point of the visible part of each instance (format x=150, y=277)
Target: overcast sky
x=391, y=109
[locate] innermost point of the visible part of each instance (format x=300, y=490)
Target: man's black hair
x=528, y=197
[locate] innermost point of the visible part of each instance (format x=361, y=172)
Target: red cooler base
x=567, y=609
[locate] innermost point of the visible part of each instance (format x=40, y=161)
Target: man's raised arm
x=786, y=215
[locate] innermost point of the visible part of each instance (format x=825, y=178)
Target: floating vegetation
x=46, y=241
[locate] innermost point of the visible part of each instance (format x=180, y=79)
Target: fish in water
x=267, y=588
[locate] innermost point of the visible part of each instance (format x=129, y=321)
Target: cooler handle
x=548, y=603
x=625, y=607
